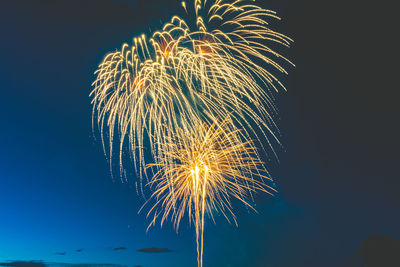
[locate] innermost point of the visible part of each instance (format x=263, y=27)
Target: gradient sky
x=337, y=176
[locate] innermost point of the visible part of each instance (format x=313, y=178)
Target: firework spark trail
x=210, y=165
x=171, y=88
x=181, y=75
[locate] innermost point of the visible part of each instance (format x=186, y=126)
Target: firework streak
x=196, y=92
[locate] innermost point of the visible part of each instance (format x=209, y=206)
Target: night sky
x=339, y=120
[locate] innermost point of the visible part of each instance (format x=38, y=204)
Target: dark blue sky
x=337, y=176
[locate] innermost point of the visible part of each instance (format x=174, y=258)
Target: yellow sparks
x=181, y=75
x=166, y=92
x=199, y=171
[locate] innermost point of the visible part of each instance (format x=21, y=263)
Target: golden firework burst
x=199, y=171
x=168, y=93
x=184, y=74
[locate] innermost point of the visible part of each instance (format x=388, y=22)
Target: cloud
x=120, y=248
x=56, y=264
x=23, y=264
x=154, y=250
x=61, y=253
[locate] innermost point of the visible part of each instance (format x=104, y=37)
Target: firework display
x=199, y=171
x=196, y=93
